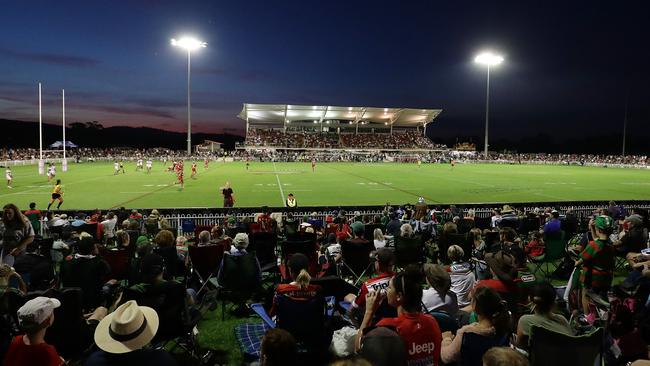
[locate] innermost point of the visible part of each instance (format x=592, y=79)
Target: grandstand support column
x=246, y=125
x=624, y=128
x=41, y=163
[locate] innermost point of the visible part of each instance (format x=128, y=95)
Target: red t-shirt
x=374, y=284
x=296, y=293
x=421, y=335
x=498, y=286
x=20, y=354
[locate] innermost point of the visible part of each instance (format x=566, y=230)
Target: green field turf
x=93, y=185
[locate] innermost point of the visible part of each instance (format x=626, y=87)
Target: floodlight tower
x=488, y=59
x=189, y=44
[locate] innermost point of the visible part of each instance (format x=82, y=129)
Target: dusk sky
x=568, y=67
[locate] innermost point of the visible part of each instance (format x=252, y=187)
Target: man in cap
x=122, y=336
x=632, y=239
x=30, y=349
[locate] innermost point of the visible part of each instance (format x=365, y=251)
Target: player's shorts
x=8, y=177
x=56, y=196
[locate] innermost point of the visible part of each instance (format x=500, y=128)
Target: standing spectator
x=553, y=224
x=122, y=336
x=16, y=235
x=393, y=225
x=34, y=215
x=228, y=195
x=108, y=227
x=597, y=259
x=379, y=240
x=30, y=349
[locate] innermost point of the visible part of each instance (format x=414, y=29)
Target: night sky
x=568, y=70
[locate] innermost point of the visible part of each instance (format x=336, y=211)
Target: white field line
x=279, y=185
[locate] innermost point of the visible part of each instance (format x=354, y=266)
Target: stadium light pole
x=189, y=44
x=488, y=59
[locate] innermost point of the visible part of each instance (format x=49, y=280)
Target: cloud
x=51, y=58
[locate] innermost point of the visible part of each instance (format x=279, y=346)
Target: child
x=535, y=248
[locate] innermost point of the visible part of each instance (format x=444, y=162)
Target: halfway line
x=279, y=185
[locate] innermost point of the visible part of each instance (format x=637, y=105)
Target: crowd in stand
x=397, y=140
x=83, y=154
x=434, y=286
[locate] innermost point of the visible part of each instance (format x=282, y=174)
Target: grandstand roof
x=278, y=114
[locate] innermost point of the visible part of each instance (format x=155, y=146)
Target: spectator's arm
x=372, y=302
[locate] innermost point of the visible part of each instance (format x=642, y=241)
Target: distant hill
x=21, y=134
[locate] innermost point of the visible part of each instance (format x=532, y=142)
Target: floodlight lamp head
x=188, y=43
x=488, y=58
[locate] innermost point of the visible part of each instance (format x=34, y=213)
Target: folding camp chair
x=355, y=260
x=205, y=261
x=547, y=347
x=554, y=251
x=408, y=251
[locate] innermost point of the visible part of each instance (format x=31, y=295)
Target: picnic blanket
x=249, y=336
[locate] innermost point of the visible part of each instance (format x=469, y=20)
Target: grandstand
x=314, y=127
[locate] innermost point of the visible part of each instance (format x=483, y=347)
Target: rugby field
x=93, y=185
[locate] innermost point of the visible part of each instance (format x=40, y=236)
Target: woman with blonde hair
x=299, y=288
x=379, y=239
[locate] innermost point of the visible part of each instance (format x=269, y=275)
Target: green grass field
x=93, y=185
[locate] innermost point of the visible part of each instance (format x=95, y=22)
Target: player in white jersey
x=51, y=172
x=139, y=165
x=149, y=163
x=116, y=168
x=9, y=177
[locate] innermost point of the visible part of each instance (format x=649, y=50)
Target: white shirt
x=432, y=301
x=109, y=227
x=379, y=243
x=116, y=166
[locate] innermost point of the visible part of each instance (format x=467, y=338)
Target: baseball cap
x=36, y=311
x=603, y=222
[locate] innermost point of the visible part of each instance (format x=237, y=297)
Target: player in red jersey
x=205, y=163
x=181, y=182
x=313, y=165
x=193, y=170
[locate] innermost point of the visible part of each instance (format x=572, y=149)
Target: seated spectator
x=30, y=349
x=496, y=218
x=278, y=348
x=553, y=224
x=384, y=262
x=509, y=244
x=204, y=239
x=478, y=244
x=504, y=272
x=438, y=297
x=382, y=346
x=166, y=249
x=6, y=274
x=299, y=287
x=543, y=298
x=218, y=234
x=358, y=238
x=87, y=271
x=181, y=249
x=420, y=332
x=357, y=222
x=493, y=321
x=17, y=234
x=535, y=248
x=504, y=356
x=379, y=240
x=461, y=275
x=37, y=267
x=632, y=239
x=122, y=336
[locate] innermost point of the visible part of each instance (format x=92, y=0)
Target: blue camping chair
x=474, y=346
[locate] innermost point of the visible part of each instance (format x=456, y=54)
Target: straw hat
x=129, y=328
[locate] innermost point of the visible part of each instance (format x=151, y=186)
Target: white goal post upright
x=64, y=163
x=41, y=163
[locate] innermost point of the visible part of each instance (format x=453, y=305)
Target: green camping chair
x=554, y=251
